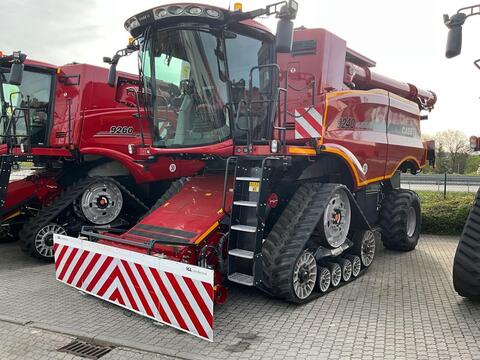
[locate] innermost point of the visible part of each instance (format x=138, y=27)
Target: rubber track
x=54, y=209
x=393, y=219
x=27, y=234
x=174, y=189
x=466, y=265
x=289, y=236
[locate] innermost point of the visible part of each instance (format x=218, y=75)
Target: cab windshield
x=186, y=87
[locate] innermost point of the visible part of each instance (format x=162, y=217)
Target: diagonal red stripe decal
x=99, y=273
x=209, y=289
x=55, y=247
x=186, y=305
x=67, y=264
x=126, y=288
x=303, y=133
x=313, y=122
x=60, y=256
x=137, y=288
x=150, y=289
x=117, y=297
x=199, y=300
x=77, y=267
x=88, y=269
x=170, y=302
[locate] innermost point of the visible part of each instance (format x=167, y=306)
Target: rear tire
x=400, y=220
x=466, y=265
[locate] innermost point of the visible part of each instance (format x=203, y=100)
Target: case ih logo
x=308, y=123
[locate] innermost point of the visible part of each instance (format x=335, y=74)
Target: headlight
x=175, y=10
x=212, y=13
x=194, y=10
x=159, y=13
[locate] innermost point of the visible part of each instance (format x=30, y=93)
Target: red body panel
x=190, y=216
x=41, y=188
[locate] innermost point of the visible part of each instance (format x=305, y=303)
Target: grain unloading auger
x=303, y=147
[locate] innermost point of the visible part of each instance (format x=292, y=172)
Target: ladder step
x=244, y=228
x=245, y=203
x=246, y=254
x=240, y=278
x=246, y=178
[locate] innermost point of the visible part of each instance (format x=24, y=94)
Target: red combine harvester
x=78, y=132
x=303, y=146
x=466, y=265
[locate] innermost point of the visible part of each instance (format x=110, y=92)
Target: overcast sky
x=406, y=38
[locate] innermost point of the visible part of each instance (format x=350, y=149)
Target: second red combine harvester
x=303, y=146
x=79, y=133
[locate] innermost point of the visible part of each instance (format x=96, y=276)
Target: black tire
x=290, y=236
x=466, y=264
x=173, y=189
x=394, y=221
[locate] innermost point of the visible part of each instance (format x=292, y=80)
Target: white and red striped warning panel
x=308, y=123
x=174, y=293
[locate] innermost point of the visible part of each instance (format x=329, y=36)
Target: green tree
x=472, y=166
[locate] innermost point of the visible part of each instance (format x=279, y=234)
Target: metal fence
x=441, y=183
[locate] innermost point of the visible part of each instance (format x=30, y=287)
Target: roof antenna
x=229, y=5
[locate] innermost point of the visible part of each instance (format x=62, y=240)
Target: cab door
x=403, y=132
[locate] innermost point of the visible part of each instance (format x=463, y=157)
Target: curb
x=101, y=340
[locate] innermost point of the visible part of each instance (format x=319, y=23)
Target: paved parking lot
x=403, y=307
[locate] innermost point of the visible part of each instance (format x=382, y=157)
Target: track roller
x=335, y=273
x=356, y=264
x=346, y=267
x=324, y=279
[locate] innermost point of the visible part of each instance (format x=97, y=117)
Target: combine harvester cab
x=303, y=146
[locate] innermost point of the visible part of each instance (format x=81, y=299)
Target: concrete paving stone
x=403, y=306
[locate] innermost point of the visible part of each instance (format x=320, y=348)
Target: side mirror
x=112, y=75
x=16, y=74
x=284, y=36
x=454, y=42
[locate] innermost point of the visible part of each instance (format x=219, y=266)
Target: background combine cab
x=83, y=138
x=302, y=146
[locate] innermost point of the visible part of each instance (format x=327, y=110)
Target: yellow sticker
x=253, y=186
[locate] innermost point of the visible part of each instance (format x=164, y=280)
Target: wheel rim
x=336, y=274
x=324, y=279
x=411, y=221
x=102, y=202
x=304, y=275
x=368, y=248
x=336, y=218
x=347, y=270
x=356, y=266
x=44, y=239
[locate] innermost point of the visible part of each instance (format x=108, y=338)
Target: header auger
x=302, y=146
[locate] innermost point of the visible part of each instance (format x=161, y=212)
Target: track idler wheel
x=304, y=275
x=43, y=242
